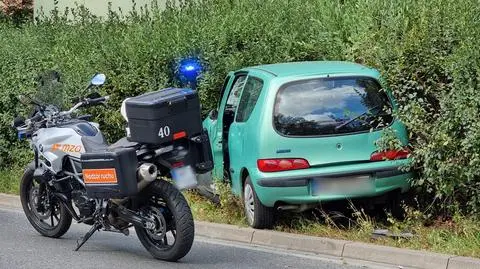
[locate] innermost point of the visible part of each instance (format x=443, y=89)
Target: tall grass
x=10, y=180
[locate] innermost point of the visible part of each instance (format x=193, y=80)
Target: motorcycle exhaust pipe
x=146, y=174
x=296, y=208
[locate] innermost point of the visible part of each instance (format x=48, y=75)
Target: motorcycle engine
x=85, y=205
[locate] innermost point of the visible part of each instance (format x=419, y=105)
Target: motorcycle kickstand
x=87, y=236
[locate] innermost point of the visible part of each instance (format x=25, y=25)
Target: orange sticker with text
x=100, y=176
x=67, y=147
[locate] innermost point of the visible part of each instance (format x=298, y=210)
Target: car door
x=241, y=141
x=215, y=122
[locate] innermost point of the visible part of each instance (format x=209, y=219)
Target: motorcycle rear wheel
x=174, y=232
x=47, y=216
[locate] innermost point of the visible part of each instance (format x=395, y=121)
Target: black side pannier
x=163, y=116
x=110, y=174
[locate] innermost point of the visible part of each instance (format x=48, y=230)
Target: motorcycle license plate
x=184, y=177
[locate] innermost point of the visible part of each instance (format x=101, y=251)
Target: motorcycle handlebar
x=36, y=117
x=85, y=103
x=96, y=101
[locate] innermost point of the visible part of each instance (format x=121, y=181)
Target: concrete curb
x=347, y=250
x=224, y=232
x=304, y=243
x=8, y=200
x=463, y=263
x=396, y=256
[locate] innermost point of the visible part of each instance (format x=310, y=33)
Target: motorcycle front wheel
x=46, y=214
x=174, y=231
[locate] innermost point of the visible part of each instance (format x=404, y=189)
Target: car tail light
x=390, y=155
x=276, y=165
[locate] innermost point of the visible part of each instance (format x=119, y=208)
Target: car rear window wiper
x=360, y=116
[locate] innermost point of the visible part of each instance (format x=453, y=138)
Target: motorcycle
x=76, y=175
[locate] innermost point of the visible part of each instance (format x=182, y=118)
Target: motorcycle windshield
x=50, y=90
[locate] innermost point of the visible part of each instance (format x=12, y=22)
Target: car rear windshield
x=330, y=106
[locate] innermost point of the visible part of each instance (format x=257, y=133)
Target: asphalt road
x=22, y=247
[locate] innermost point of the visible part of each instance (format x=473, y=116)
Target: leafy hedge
x=428, y=51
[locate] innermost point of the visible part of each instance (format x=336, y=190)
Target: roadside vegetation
x=459, y=235
x=10, y=180
x=428, y=52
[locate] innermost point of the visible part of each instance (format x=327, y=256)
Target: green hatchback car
x=293, y=135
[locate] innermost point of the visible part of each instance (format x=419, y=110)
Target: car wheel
x=258, y=216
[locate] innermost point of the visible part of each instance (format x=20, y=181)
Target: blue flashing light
x=189, y=69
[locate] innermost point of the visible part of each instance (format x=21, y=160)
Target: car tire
x=64, y=219
x=258, y=216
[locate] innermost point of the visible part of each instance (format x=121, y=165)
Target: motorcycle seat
x=123, y=143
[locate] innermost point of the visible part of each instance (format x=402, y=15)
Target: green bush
x=428, y=51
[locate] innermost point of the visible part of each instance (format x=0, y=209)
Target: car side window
x=224, y=88
x=235, y=93
x=251, y=92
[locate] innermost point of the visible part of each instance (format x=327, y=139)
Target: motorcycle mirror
x=213, y=115
x=98, y=80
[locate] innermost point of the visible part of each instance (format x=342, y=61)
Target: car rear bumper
x=297, y=181
x=297, y=188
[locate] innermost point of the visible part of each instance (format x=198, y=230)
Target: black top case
x=159, y=117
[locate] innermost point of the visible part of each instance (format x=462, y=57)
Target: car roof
x=313, y=68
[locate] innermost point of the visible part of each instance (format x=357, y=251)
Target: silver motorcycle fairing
x=71, y=139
